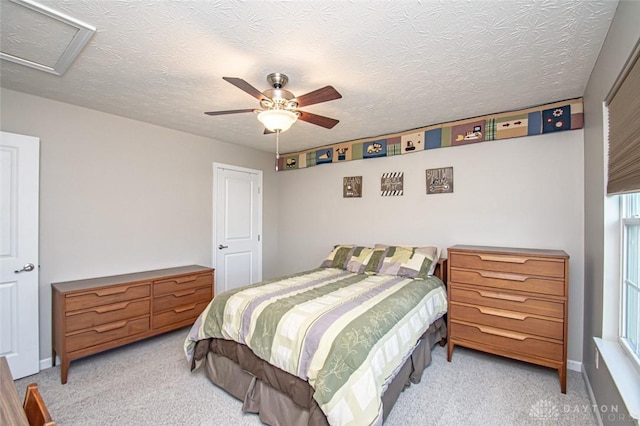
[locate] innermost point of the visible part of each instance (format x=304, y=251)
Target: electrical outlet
x=597, y=359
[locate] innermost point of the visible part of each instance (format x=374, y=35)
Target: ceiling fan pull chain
x=277, y=148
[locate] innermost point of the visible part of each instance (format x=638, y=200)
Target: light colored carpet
x=149, y=382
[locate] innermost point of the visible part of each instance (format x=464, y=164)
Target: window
x=630, y=306
x=622, y=134
x=622, y=115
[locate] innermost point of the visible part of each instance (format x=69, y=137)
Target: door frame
x=28, y=345
x=214, y=242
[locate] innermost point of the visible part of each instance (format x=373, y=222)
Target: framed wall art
x=352, y=186
x=392, y=184
x=440, y=181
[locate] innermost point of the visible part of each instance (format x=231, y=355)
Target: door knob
x=222, y=247
x=26, y=268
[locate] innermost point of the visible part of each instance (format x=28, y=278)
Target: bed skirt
x=281, y=399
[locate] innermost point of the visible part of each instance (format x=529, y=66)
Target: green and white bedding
x=343, y=332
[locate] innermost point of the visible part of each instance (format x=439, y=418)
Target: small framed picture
x=440, y=181
x=352, y=186
x=392, y=184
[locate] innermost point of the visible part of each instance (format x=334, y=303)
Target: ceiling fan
x=279, y=107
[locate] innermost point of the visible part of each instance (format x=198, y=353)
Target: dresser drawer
x=508, y=301
x=508, y=281
x=182, y=298
x=509, y=320
x=517, y=264
x=179, y=314
x=106, y=333
x=506, y=340
x=103, y=314
x=104, y=296
x=179, y=284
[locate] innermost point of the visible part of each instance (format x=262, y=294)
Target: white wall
x=524, y=192
x=118, y=195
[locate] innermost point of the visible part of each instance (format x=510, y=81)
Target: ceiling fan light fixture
x=277, y=119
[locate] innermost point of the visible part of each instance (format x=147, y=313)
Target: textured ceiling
x=398, y=64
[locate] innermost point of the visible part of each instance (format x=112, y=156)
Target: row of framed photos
x=438, y=181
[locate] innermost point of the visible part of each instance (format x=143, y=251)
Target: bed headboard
x=441, y=270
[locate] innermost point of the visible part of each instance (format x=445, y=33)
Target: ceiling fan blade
x=243, y=85
x=233, y=111
x=327, y=93
x=318, y=120
x=267, y=131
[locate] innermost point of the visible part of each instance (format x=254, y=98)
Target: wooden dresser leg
x=64, y=369
x=449, y=350
x=562, y=372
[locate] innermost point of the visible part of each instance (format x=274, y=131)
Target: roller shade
x=624, y=130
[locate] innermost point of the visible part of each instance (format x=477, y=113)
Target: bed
x=334, y=345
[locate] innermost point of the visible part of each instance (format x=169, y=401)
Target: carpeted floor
x=149, y=382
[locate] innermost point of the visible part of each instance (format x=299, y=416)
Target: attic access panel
x=41, y=38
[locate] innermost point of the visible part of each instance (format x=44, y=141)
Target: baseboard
x=571, y=365
x=574, y=366
x=45, y=363
x=592, y=397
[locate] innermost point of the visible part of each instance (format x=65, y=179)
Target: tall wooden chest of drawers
x=510, y=302
x=97, y=314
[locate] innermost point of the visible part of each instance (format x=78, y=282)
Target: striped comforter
x=345, y=333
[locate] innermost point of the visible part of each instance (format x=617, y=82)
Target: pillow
x=359, y=258
x=374, y=260
x=410, y=262
x=338, y=257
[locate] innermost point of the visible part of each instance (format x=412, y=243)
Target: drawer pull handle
x=181, y=280
x=503, y=314
x=503, y=276
x=110, y=291
x=501, y=333
x=117, y=307
x=510, y=259
x=110, y=327
x=510, y=297
x=184, y=309
x=184, y=293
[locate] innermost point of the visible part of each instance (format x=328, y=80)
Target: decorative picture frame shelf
x=532, y=121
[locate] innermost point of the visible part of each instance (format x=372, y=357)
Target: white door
x=237, y=226
x=19, y=170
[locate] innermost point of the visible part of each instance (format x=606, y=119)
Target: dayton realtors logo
x=544, y=411
x=547, y=412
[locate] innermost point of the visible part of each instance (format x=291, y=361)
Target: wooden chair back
x=35, y=409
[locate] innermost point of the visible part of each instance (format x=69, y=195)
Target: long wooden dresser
x=510, y=302
x=97, y=314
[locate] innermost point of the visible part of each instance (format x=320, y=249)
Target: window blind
x=624, y=130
